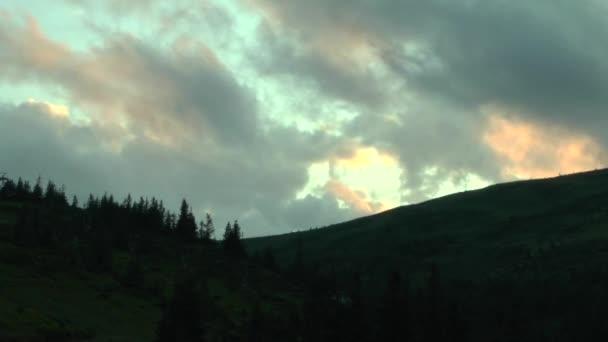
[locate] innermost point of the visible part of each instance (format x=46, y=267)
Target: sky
x=289, y=114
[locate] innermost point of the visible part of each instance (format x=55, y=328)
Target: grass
x=43, y=295
x=38, y=298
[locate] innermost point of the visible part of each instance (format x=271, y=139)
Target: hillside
x=557, y=225
x=52, y=291
x=521, y=261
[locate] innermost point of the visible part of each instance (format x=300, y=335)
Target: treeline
x=102, y=223
x=332, y=305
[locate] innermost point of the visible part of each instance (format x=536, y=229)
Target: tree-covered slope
x=107, y=272
x=554, y=225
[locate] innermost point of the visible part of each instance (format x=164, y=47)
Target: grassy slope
x=558, y=224
x=38, y=297
x=41, y=294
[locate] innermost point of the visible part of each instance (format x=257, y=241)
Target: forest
x=192, y=282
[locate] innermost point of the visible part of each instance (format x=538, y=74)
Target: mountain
x=107, y=273
x=556, y=225
x=520, y=261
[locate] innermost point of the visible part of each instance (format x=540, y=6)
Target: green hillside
x=521, y=261
x=557, y=225
x=48, y=293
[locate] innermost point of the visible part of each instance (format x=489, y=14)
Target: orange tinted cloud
x=60, y=111
x=344, y=44
x=530, y=150
x=30, y=46
x=366, y=156
x=356, y=199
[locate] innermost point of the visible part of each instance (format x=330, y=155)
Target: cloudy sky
x=287, y=114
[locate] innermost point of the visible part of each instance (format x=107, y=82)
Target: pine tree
x=127, y=203
x=134, y=275
x=27, y=190
x=186, y=223
x=21, y=233
x=37, y=191
x=268, y=259
x=51, y=192
x=232, y=239
x=62, y=198
x=236, y=231
x=395, y=310
x=20, y=190
x=227, y=235
x=170, y=221
x=74, y=202
x=92, y=203
x=182, y=319
x=433, y=330
x=207, y=229
x=8, y=189
x=255, y=326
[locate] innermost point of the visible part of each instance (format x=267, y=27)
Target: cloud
x=231, y=104
x=256, y=184
x=172, y=123
x=438, y=63
x=366, y=156
x=356, y=199
x=529, y=150
x=57, y=110
x=182, y=93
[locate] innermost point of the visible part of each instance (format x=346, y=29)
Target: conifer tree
x=19, y=190
x=186, y=223
x=268, y=259
x=227, y=234
x=27, y=190
x=37, y=191
x=170, y=221
x=255, y=326
x=207, y=229
x=182, y=319
x=8, y=189
x=51, y=191
x=395, y=310
x=232, y=239
x=127, y=203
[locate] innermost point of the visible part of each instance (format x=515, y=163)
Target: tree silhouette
x=8, y=189
x=207, y=229
x=268, y=259
x=395, y=311
x=232, y=240
x=255, y=329
x=37, y=191
x=186, y=223
x=182, y=319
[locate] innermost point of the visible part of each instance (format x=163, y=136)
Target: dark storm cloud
x=171, y=124
x=255, y=184
x=541, y=60
x=281, y=59
x=544, y=56
x=186, y=93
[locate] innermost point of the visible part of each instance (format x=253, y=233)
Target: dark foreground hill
x=558, y=225
x=126, y=272
x=522, y=261
x=525, y=260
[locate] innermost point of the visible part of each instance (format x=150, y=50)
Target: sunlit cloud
x=367, y=156
x=276, y=111
x=356, y=199
x=529, y=150
x=56, y=110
